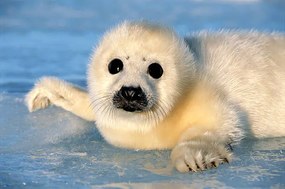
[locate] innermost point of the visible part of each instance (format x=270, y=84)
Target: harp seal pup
x=148, y=88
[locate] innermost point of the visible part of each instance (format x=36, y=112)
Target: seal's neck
x=194, y=110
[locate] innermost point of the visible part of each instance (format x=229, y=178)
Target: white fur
x=119, y=43
x=250, y=68
x=215, y=87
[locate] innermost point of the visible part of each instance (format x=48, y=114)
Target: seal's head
x=136, y=75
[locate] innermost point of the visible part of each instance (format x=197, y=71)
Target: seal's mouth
x=132, y=108
x=130, y=99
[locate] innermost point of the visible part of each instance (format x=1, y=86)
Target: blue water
x=52, y=148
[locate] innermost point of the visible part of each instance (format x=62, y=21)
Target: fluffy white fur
x=215, y=88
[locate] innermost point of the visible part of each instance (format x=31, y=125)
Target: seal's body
x=151, y=89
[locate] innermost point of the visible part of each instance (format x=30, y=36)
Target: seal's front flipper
x=51, y=90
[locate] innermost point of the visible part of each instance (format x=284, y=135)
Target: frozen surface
x=54, y=149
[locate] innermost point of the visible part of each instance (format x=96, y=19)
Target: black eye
x=115, y=66
x=155, y=70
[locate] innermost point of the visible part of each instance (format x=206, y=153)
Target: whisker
x=101, y=100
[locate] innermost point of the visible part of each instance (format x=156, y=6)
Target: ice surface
x=52, y=148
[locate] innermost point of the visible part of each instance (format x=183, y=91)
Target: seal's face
x=136, y=76
x=134, y=97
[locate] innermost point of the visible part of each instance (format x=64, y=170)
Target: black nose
x=132, y=93
x=130, y=99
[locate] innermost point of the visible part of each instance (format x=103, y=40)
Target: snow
x=52, y=148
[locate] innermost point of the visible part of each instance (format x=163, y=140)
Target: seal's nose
x=132, y=93
x=130, y=99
